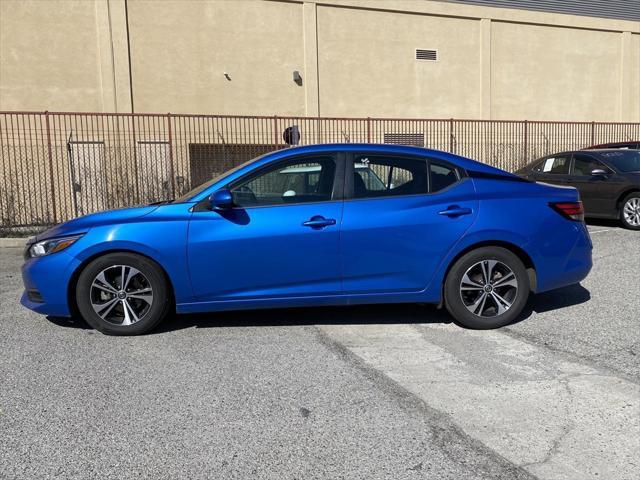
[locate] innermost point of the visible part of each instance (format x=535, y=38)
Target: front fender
x=166, y=245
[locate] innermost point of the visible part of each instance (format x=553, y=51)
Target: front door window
x=304, y=180
x=583, y=165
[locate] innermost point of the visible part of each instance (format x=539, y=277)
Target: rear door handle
x=318, y=221
x=455, y=211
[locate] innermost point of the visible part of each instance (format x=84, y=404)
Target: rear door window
x=388, y=176
x=556, y=165
x=442, y=176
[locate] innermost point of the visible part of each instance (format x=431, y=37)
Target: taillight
x=569, y=210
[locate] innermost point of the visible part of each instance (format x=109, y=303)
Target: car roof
x=608, y=144
x=585, y=151
x=386, y=148
x=604, y=150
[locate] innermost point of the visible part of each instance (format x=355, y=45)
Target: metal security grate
x=413, y=139
x=422, y=54
x=55, y=166
x=622, y=9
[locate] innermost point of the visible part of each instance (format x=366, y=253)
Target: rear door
x=402, y=214
x=553, y=169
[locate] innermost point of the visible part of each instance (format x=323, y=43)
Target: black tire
x=149, y=274
x=632, y=197
x=458, y=301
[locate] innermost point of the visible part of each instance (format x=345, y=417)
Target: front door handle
x=455, y=211
x=318, y=221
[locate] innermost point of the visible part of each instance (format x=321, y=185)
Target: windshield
x=195, y=191
x=623, y=160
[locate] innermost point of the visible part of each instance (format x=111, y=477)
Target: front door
x=597, y=192
x=280, y=240
x=401, y=216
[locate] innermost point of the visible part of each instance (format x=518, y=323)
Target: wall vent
x=422, y=54
x=413, y=139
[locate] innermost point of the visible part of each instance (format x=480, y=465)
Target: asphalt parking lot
x=368, y=392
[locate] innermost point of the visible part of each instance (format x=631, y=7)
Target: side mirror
x=221, y=199
x=598, y=172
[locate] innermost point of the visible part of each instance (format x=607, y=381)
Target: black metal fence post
x=171, y=167
x=51, y=177
x=526, y=142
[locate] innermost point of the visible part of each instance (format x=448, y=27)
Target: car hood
x=83, y=224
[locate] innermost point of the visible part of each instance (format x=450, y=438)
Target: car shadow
x=554, y=300
x=603, y=222
x=70, y=322
x=343, y=315
x=410, y=313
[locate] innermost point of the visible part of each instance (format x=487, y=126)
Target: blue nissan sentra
x=318, y=225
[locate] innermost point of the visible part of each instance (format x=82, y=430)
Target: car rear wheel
x=486, y=288
x=630, y=211
x=122, y=294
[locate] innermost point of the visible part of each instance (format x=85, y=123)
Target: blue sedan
x=318, y=225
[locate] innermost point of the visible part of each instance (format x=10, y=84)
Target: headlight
x=52, y=245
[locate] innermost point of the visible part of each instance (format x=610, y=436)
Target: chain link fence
x=56, y=166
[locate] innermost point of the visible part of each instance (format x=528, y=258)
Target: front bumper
x=49, y=276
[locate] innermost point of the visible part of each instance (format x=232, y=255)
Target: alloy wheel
x=121, y=294
x=488, y=288
x=631, y=211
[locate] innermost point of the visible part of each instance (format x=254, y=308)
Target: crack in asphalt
x=566, y=429
x=454, y=442
x=607, y=371
x=553, y=452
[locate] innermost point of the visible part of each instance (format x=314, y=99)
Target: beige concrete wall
x=630, y=78
x=49, y=56
x=367, y=65
x=180, y=51
x=550, y=73
x=356, y=58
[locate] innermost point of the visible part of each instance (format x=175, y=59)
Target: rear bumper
x=568, y=259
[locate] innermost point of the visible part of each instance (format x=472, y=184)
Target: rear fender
x=480, y=238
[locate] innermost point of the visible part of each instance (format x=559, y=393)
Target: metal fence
x=55, y=166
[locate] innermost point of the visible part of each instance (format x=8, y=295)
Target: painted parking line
x=551, y=416
x=603, y=230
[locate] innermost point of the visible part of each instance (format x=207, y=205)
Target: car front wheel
x=122, y=294
x=486, y=288
x=630, y=211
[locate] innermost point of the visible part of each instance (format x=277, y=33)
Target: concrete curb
x=13, y=242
